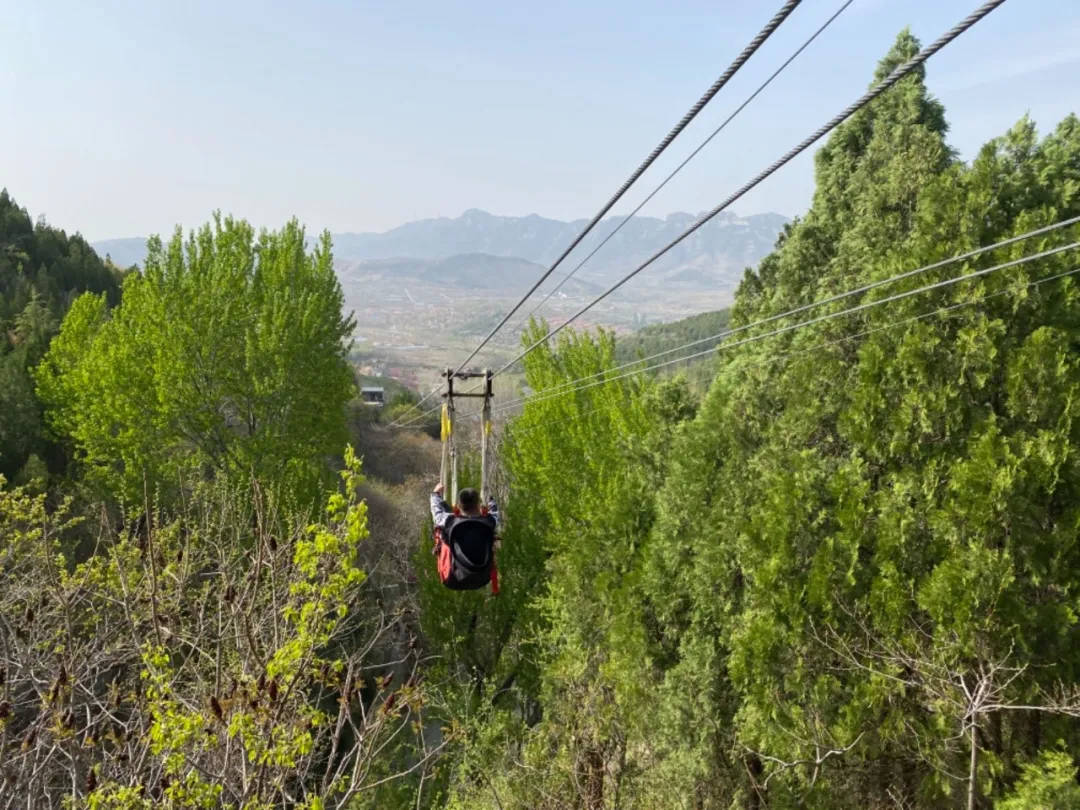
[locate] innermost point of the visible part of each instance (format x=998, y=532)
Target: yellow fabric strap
x=446, y=428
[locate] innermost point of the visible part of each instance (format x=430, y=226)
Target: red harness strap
x=442, y=555
x=494, y=568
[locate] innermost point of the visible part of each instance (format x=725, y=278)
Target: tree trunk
x=594, y=779
x=973, y=767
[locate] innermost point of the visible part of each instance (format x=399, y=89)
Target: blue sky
x=126, y=118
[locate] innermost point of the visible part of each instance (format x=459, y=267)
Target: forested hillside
x=660, y=337
x=842, y=574
x=665, y=342
x=42, y=270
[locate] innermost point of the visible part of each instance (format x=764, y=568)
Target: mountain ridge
x=728, y=240
x=723, y=246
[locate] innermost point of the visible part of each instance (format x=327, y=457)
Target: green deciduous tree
x=226, y=354
x=554, y=697
x=1049, y=783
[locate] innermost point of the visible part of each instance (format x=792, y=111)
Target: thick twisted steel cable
x=849, y=293
x=732, y=69
x=551, y=393
x=690, y=157
x=886, y=83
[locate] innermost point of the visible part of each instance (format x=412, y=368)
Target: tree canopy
x=843, y=573
x=226, y=354
x=848, y=578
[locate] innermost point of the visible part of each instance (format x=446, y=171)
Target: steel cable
x=886, y=83
x=849, y=293
x=846, y=338
x=691, y=156
x=545, y=394
x=732, y=69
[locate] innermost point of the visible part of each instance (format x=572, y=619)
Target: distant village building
x=373, y=395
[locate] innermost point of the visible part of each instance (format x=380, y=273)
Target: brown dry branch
x=152, y=661
x=821, y=756
x=966, y=688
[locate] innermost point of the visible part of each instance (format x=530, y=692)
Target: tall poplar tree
x=227, y=354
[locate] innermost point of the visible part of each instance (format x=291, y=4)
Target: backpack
x=465, y=551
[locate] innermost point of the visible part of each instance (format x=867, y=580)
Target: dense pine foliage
x=42, y=270
x=841, y=573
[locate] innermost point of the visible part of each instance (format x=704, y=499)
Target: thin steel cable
x=740, y=60
x=897, y=74
x=416, y=407
x=541, y=396
x=846, y=338
x=849, y=293
x=551, y=393
x=416, y=419
x=548, y=422
x=803, y=308
x=690, y=157
x=433, y=409
x=940, y=311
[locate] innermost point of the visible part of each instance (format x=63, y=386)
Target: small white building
x=373, y=395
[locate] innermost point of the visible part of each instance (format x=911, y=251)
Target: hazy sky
x=125, y=118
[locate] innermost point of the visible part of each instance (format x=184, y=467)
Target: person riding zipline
x=465, y=540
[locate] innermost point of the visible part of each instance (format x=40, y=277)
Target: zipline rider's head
x=468, y=500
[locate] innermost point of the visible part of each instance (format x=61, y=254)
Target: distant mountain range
x=478, y=271
x=466, y=247
x=729, y=239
